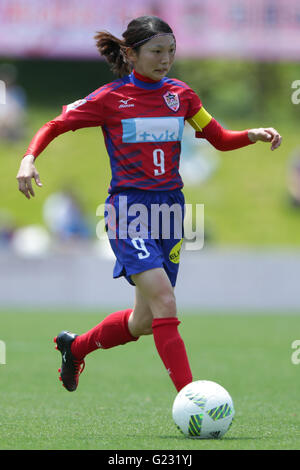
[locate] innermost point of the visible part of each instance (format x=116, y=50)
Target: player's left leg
x=158, y=292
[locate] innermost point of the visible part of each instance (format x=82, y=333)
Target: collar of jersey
x=145, y=82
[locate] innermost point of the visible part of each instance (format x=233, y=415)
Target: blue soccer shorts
x=145, y=230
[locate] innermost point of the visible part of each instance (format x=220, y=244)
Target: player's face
x=155, y=58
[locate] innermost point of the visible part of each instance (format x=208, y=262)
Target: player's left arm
x=208, y=128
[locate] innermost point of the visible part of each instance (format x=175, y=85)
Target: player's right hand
x=26, y=172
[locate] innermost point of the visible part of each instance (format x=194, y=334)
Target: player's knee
x=165, y=305
x=147, y=331
x=144, y=326
x=140, y=326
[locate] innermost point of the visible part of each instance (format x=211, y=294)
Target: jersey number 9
x=159, y=162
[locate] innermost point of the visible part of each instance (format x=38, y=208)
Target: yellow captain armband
x=200, y=120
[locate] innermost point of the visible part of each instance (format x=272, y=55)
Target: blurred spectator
x=199, y=160
x=64, y=216
x=293, y=182
x=13, y=112
x=7, y=228
x=32, y=241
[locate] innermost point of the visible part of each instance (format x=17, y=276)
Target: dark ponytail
x=138, y=31
x=113, y=49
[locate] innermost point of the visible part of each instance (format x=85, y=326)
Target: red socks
x=112, y=331
x=171, y=349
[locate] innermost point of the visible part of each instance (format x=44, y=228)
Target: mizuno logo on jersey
x=160, y=129
x=124, y=103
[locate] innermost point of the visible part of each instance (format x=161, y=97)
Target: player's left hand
x=266, y=135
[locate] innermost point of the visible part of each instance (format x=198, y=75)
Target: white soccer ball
x=203, y=410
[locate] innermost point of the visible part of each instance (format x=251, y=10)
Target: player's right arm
x=82, y=113
x=26, y=173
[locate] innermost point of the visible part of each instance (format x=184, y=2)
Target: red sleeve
x=82, y=113
x=223, y=139
x=195, y=104
x=45, y=135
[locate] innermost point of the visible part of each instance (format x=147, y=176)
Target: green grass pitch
x=125, y=396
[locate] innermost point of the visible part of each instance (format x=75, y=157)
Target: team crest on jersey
x=172, y=100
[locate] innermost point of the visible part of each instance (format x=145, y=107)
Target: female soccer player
x=142, y=115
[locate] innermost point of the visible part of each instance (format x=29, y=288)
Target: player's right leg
x=110, y=332
x=140, y=320
x=116, y=329
x=71, y=367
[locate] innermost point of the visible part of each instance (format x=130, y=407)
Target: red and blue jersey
x=142, y=123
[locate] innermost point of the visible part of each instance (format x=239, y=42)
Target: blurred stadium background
x=242, y=57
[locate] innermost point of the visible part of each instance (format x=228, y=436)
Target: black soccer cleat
x=71, y=368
